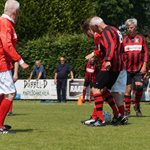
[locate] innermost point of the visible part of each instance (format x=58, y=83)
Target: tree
x=114, y=12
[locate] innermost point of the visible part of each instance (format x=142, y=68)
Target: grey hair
x=131, y=21
x=11, y=5
x=96, y=21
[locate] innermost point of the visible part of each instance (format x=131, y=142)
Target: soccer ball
x=107, y=116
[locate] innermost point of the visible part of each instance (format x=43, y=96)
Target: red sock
x=110, y=100
x=98, y=99
x=4, y=107
x=91, y=95
x=84, y=93
x=127, y=100
x=1, y=98
x=94, y=114
x=121, y=110
x=138, y=95
x=10, y=109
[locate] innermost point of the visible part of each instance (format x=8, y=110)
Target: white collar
x=7, y=17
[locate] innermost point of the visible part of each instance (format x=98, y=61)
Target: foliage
x=115, y=12
x=53, y=16
x=49, y=48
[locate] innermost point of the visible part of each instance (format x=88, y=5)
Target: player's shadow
x=19, y=114
x=21, y=130
x=139, y=117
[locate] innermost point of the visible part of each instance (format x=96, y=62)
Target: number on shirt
x=120, y=36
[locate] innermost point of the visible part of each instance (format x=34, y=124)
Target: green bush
x=49, y=49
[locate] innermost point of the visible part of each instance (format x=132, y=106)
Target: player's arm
x=95, y=53
x=6, y=38
x=15, y=75
x=143, y=69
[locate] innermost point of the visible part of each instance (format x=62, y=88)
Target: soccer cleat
x=138, y=111
x=3, y=131
x=88, y=121
x=119, y=121
x=124, y=120
x=127, y=113
x=7, y=127
x=98, y=123
x=9, y=114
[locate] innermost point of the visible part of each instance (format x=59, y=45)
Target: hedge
x=49, y=49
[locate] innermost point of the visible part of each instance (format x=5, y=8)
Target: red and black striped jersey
x=135, y=52
x=111, y=47
x=97, y=51
x=90, y=73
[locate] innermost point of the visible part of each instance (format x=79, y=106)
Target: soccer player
x=135, y=62
x=110, y=43
x=8, y=55
x=90, y=74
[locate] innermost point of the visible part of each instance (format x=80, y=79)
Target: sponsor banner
x=75, y=88
x=36, y=89
x=46, y=89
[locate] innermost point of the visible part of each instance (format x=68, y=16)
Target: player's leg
x=127, y=96
x=4, y=107
x=86, y=84
x=91, y=93
x=138, y=93
x=7, y=88
x=104, y=79
x=118, y=91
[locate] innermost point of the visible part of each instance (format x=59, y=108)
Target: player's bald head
x=96, y=21
x=11, y=6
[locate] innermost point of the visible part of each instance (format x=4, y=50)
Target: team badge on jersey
x=137, y=40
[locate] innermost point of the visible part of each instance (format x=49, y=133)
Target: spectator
x=38, y=70
x=60, y=79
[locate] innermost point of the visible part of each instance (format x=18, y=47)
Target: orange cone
x=79, y=101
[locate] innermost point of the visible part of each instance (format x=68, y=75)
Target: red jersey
x=8, y=40
x=91, y=71
x=110, y=48
x=135, y=52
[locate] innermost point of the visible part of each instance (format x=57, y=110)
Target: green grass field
x=41, y=126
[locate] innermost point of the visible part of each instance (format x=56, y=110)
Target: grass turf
x=41, y=126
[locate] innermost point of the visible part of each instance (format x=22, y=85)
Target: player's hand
x=55, y=81
x=143, y=70
x=15, y=77
x=107, y=65
x=24, y=66
x=89, y=56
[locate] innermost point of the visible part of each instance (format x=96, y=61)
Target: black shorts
x=88, y=83
x=105, y=79
x=134, y=77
